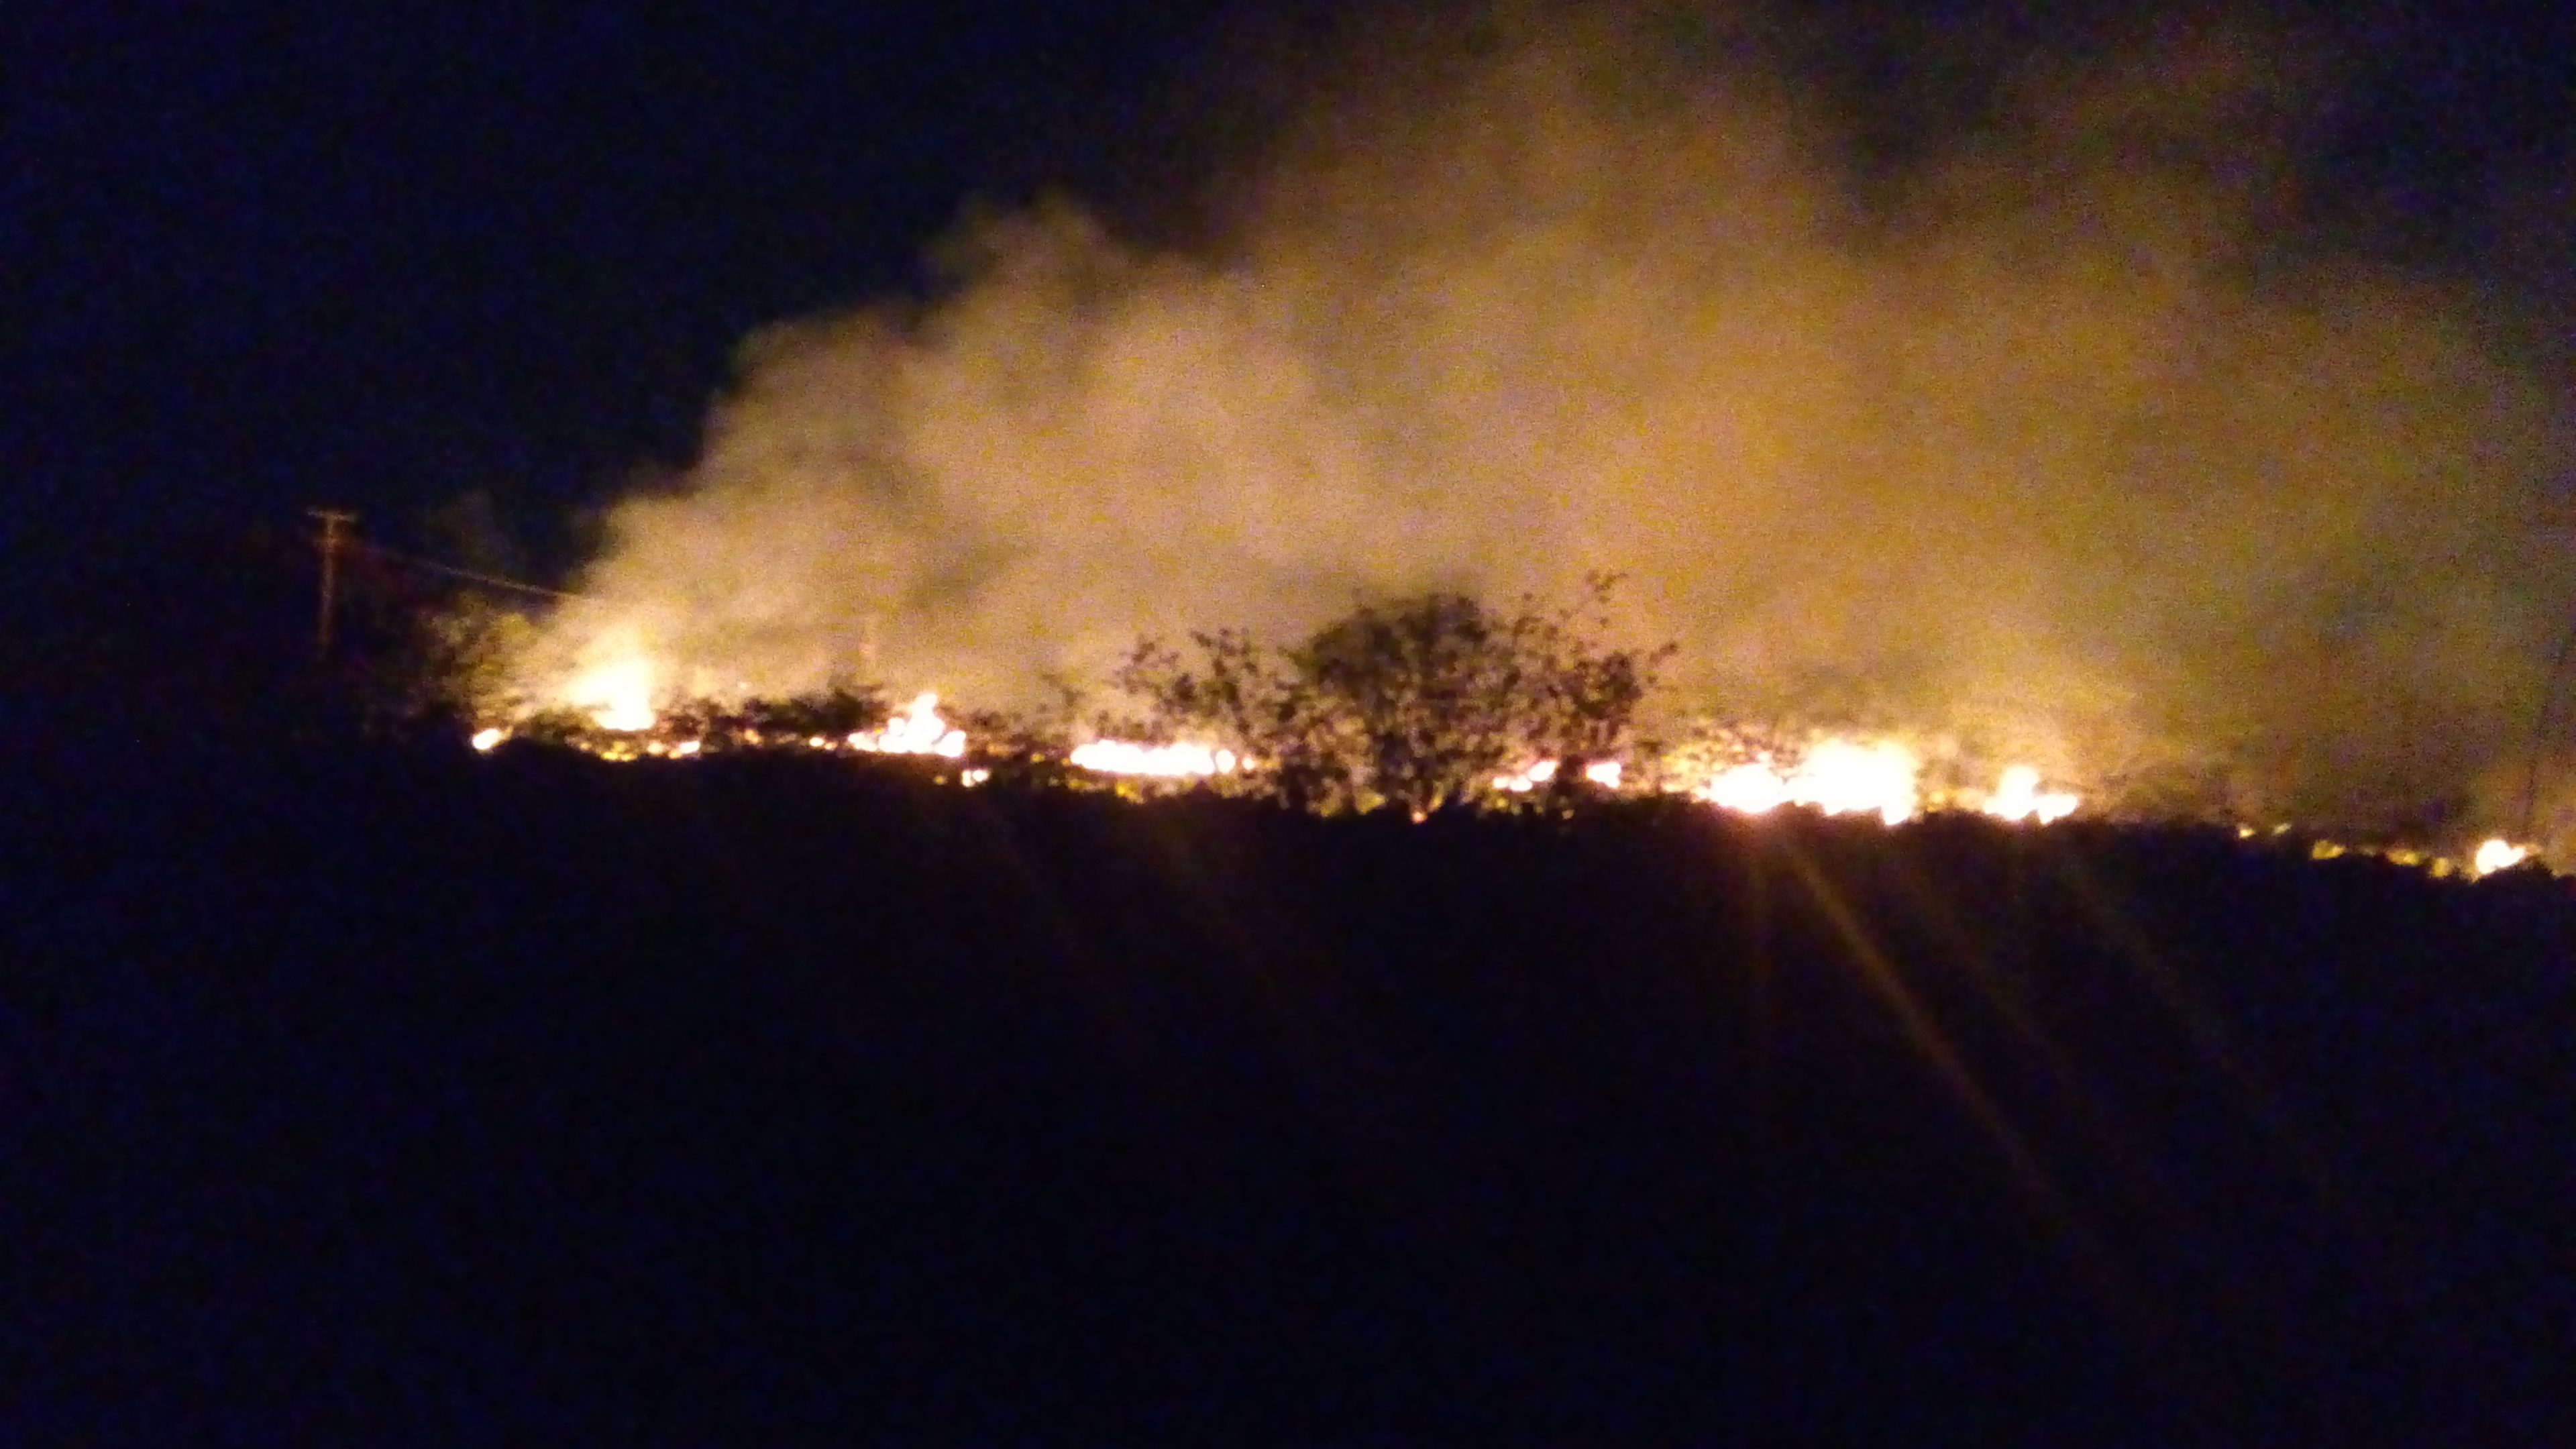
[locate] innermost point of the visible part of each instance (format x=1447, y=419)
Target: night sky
x=359, y=1084
x=262, y=256
x=392, y=254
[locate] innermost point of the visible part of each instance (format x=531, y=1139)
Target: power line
x=470, y=576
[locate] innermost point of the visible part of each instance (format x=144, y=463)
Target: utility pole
x=334, y=520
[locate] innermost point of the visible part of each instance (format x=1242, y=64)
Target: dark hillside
x=414, y=1098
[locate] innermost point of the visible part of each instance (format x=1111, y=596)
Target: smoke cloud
x=2058, y=431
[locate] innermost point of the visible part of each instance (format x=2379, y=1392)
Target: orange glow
x=1604, y=773
x=619, y=694
x=1169, y=762
x=1838, y=777
x=917, y=731
x=2018, y=797
x=2496, y=855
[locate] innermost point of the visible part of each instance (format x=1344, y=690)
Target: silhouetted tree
x=1416, y=703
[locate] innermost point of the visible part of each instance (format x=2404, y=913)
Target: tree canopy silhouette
x=1415, y=703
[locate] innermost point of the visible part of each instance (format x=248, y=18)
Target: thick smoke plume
x=2057, y=432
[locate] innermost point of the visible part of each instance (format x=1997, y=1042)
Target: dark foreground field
x=379, y=1099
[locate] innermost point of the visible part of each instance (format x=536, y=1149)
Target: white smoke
x=2054, y=437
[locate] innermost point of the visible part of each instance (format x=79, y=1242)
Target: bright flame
x=2018, y=797
x=619, y=695
x=917, y=731
x=1750, y=788
x=1604, y=773
x=1170, y=762
x=1837, y=777
x=2496, y=855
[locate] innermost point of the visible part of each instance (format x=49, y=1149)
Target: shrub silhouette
x=1414, y=704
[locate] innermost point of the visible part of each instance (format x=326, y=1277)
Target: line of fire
x=421, y=647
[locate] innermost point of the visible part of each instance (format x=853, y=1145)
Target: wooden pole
x=334, y=520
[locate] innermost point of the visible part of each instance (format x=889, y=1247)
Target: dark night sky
x=391, y=253
x=263, y=255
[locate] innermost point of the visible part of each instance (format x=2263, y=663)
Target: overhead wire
x=468, y=575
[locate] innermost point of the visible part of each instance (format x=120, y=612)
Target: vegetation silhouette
x=365, y=1094
x=1415, y=704
x=361, y=1089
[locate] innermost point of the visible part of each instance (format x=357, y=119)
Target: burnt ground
x=393, y=1097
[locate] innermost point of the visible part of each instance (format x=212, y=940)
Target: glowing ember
x=2496, y=855
x=1834, y=776
x=2018, y=797
x=1170, y=762
x=1837, y=777
x=917, y=731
